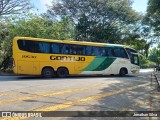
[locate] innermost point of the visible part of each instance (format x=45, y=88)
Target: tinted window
x=65, y=49
x=80, y=50
x=88, y=50
x=134, y=58
x=95, y=51
x=59, y=48
x=55, y=48
x=73, y=50
x=123, y=53
x=120, y=52
x=103, y=52
x=129, y=51
x=110, y=52
x=42, y=47
x=117, y=52
x=26, y=45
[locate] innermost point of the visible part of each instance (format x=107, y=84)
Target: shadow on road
x=21, y=78
x=139, y=100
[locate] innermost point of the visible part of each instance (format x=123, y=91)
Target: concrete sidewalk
x=146, y=70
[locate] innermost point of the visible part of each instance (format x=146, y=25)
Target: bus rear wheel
x=48, y=72
x=62, y=72
x=122, y=72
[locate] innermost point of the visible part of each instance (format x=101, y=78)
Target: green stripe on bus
x=105, y=64
x=99, y=64
x=94, y=64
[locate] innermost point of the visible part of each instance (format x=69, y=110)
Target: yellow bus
x=49, y=58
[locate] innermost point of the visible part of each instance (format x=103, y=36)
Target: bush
x=145, y=63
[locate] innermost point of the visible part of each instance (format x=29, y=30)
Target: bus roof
x=71, y=42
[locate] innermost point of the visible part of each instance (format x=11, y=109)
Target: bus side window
x=95, y=51
x=88, y=50
x=110, y=52
x=65, y=49
x=73, y=49
x=106, y=52
x=60, y=48
x=117, y=52
x=37, y=47
x=29, y=46
x=55, y=48
x=123, y=53
x=103, y=52
x=21, y=44
x=99, y=51
x=44, y=47
x=80, y=50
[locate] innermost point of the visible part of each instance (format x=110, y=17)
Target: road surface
x=80, y=93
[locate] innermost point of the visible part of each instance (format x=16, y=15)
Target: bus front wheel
x=48, y=72
x=62, y=72
x=122, y=72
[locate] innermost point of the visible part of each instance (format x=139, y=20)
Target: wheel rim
x=62, y=72
x=48, y=72
x=123, y=72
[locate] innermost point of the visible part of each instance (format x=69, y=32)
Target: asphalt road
x=80, y=93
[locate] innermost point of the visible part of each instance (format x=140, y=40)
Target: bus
x=49, y=58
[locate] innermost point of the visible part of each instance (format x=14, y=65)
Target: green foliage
x=41, y=27
x=153, y=15
x=97, y=20
x=154, y=55
x=109, y=21
x=146, y=63
x=31, y=26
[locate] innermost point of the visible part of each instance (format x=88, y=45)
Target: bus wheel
x=62, y=72
x=122, y=72
x=48, y=72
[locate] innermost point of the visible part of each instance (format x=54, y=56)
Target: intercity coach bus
x=49, y=58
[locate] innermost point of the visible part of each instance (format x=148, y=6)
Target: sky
x=40, y=5
x=140, y=5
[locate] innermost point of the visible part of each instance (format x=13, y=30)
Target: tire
x=122, y=72
x=48, y=72
x=62, y=72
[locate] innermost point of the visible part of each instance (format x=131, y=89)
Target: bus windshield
x=133, y=56
x=134, y=59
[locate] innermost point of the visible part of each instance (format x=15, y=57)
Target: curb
x=157, y=80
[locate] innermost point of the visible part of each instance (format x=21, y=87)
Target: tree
x=153, y=15
x=31, y=26
x=96, y=20
x=8, y=7
x=42, y=27
x=154, y=55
